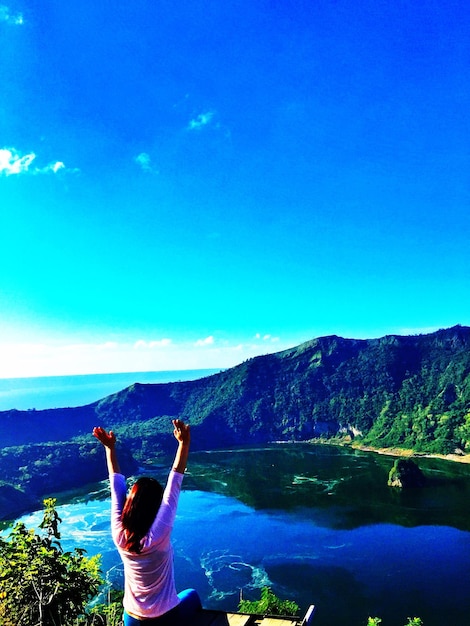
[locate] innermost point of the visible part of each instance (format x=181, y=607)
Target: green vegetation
x=39, y=582
x=412, y=621
x=269, y=604
x=43, y=585
x=109, y=614
x=401, y=392
x=405, y=473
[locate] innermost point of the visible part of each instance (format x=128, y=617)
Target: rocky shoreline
x=394, y=452
x=406, y=453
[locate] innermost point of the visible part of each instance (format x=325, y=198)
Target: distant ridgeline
x=402, y=391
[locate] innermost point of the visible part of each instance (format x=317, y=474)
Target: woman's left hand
x=107, y=439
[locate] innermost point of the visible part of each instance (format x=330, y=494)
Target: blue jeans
x=189, y=604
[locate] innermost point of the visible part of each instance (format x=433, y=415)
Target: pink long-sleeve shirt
x=149, y=585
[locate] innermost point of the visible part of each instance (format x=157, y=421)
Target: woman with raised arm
x=141, y=524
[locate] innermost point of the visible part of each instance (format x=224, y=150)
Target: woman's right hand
x=181, y=432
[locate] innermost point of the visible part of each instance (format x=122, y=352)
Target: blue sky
x=188, y=184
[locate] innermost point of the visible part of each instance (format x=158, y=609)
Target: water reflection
x=336, y=487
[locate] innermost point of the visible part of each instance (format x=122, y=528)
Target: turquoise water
x=319, y=525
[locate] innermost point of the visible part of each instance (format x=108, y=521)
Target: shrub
x=40, y=583
x=412, y=621
x=269, y=604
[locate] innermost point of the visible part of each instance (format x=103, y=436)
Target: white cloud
x=9, y=18
x=425, y=330
x=203, y=119
x=11, y=163
x=208, y=341
x=55, y=357
x=55, y=167
x=160, y=343
x=144, y=160
x=267, y=337
x=107, y=345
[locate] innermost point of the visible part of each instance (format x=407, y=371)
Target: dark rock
x=404, y=474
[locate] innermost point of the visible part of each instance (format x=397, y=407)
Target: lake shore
x=407, y=453
x=394, y=451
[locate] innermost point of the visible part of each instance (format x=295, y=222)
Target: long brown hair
x=139, y=511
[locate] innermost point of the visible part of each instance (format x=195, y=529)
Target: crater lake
x=317, y=523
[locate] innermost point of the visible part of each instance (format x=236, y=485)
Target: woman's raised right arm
x=109, y=442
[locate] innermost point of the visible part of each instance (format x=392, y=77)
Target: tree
x=40, y=584
x=269, y=604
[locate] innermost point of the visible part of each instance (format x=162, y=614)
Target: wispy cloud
x=424, y=330
x=54, y=167
x=208, y=341
x=61, y=357
x=266, y=338
x=209, y=122
x=145, y=162
x=10, y=18
x=146, y=345
x=203, y=119
x=13, y=163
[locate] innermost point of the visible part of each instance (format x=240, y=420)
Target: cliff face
x=410, y=391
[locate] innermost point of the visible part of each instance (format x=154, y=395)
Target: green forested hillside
x=409, y=391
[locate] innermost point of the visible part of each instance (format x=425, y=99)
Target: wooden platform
x=219, y=618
